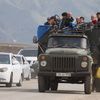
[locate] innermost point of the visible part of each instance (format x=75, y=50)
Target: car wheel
x=33, y=75
x=20, y=81
x=11, y=81
x=29, y=77
x=22, y=77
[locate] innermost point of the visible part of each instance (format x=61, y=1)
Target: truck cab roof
x=68, y=35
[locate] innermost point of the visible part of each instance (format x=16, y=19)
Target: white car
x=30, y=54
x=25, y=67
x=10, y=70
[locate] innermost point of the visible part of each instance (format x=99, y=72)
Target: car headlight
x=84, y=64
x=43, y=63
x=3, y=69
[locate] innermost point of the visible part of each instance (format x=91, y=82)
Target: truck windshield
x=67, y=42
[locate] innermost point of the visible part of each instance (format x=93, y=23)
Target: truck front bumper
x=61, y=74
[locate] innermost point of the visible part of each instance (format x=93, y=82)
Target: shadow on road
x=3, y=88
x=66, y=92
x=35, y=90
x=19, y=89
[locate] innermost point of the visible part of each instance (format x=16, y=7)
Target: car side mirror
x=25, y=62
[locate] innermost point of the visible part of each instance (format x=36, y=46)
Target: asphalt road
x=29, y=91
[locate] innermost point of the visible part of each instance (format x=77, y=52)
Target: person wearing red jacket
x=93, y=19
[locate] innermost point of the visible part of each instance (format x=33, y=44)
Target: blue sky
x=19, y=18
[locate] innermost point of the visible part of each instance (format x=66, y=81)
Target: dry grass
x=9, y=49
x=13, y=48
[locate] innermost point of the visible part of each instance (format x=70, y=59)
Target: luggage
x=42, y=30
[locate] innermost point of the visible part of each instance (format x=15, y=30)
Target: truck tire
x=47, y=83
x=97, y=85
x=88, y=85
x=54, y=85
x=93, y=85
x=41, y=84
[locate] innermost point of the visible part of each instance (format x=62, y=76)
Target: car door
x=26, y=69
x=16, y=70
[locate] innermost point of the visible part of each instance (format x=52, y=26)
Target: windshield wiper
x=60, y=45
x=74, y=47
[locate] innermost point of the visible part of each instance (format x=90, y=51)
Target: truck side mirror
x=35, y=39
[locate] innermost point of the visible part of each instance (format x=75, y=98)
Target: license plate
x=63, y=74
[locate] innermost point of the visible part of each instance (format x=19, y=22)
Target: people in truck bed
x=66, y=20
x=93, y=19
x=82, y=20
x=98, y=16
x=75, y=25
x=51, y=21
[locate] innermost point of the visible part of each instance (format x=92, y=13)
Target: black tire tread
x=88, y=85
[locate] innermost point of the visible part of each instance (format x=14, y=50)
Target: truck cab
x=67, y=59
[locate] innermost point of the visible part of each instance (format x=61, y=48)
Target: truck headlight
x=43, y=63
x=84, y=64
x=3, y=69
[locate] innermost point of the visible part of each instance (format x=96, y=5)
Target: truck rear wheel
x=97, y=84
x=41, y=84
x=88, y=85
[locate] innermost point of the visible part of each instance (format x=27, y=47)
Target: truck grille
x=65, y=64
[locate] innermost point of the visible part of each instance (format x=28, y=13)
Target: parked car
x=10, y=70
x=25, y=67
x=31, y=56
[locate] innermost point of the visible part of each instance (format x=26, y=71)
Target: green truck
x=70, y=58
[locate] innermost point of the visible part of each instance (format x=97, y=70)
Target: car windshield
x=29, y=53
x=4, y=59
x=67, y=42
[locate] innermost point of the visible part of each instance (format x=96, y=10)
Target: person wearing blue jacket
x=66, y=20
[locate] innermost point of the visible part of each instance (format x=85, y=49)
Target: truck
x=70, y=57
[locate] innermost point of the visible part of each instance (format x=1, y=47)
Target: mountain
x=19, y=18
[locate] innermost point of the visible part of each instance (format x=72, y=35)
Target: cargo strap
x=41, y=48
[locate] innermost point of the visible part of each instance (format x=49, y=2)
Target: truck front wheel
x=88, y=85
x=41, y=84
x=54, y=85
x=47, y=81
